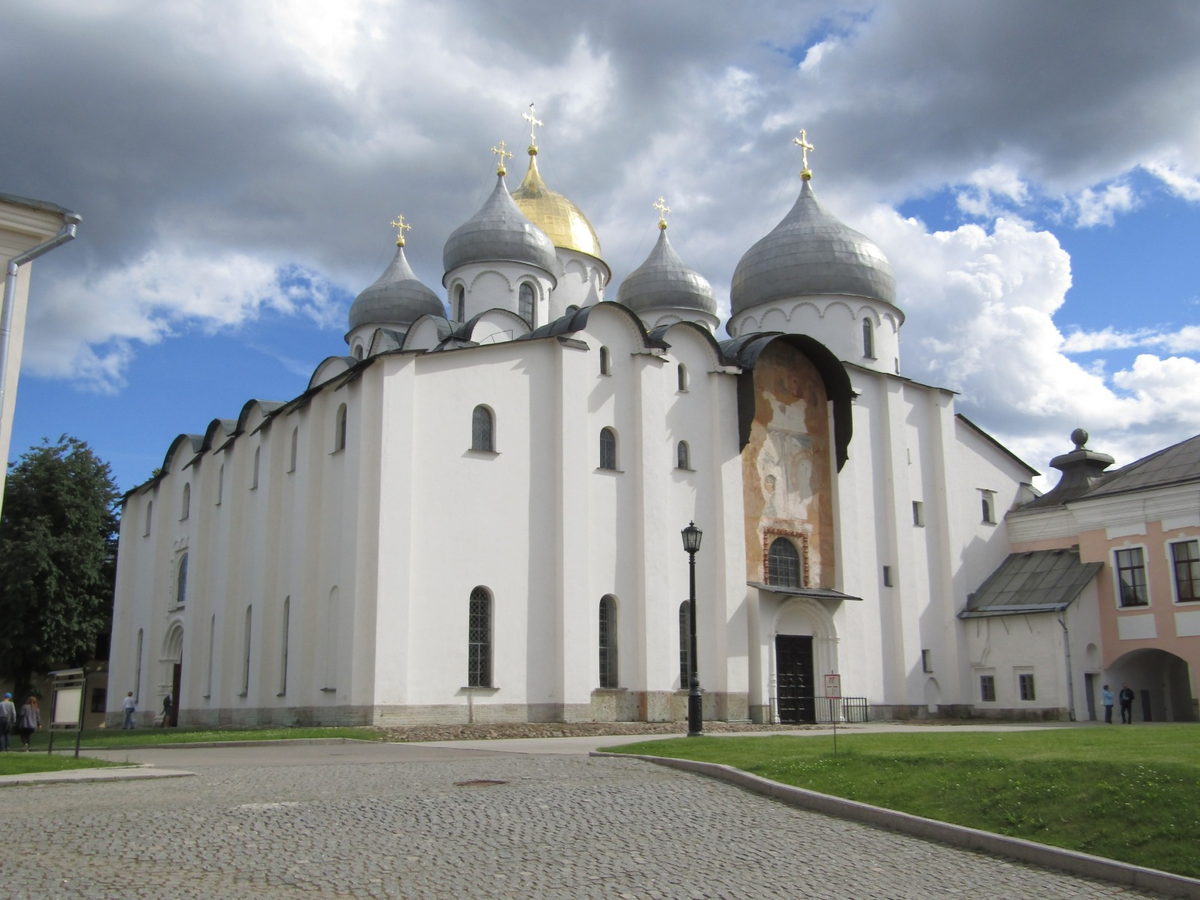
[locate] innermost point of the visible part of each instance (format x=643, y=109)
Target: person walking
x=1107, y=699
x=1126, y=698
x=130, y=708
x=29, y=721
x=8, y=719
x=166, y=713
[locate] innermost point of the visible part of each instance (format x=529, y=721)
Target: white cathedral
x=476, y=517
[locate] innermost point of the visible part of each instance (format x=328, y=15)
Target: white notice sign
x=833, y=686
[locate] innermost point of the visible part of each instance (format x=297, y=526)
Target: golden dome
x=561, y=219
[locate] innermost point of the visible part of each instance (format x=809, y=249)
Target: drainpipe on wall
x=1070, y=678
x=66, y=233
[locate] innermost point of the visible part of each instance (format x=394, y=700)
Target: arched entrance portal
x=804, y=648
x=1161, y=683
x=172, y=660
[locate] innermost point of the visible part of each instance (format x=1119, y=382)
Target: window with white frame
x=460, y=303
x=339, y=429
x=608, y=641
x=1025, y=687
x=987, y=688
x=479, y=639
x=868, y=339
x=918, y=513
x=1185, y=560
x=683, y=456
x=181, y=573
x=526, y=305
x=186, y=506
x=605, y=368
x=987, y=500
x=1131, y=577
x=608, y=449
x=482, y=430
x=682, y=375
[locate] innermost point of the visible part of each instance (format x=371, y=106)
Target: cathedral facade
x=474, y=514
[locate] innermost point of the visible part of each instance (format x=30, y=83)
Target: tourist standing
x=8, y=720
x=29, y=721
x=1107, y=696
x=130, y=708
x=1126, y=698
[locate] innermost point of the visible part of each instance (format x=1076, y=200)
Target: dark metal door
x=794, y=678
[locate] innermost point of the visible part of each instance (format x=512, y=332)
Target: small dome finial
x=805, y=146
x=501, y=153
x=663, y=209
x=534, y=124
x=1079, y=438
x=401, y=226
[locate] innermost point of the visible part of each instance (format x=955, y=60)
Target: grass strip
x=1126, y=794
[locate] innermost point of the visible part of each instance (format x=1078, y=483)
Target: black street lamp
x=691, y=544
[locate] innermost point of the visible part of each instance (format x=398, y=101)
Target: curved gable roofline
x=330, y=367
x=195, y=444
x=268, y=407
x=218, y=431
x=719, y=358
x=466, y=331
x=578, y=320
x=443, y=328
x=746, y=351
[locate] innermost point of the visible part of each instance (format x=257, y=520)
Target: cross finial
x=663, y=209
x=534, y=124
x=805, y=146
x=401, y=226
x=501, y=153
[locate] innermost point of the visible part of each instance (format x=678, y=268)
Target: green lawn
x=19, y=763
x=1129, y=794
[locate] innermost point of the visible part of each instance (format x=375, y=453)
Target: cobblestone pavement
x=424, y=827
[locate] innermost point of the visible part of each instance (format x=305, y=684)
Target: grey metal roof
x=811, y=593
x=499, y=232
x=811, y=252
x=664, y=281
x=396, y=298
x=1174, y=465
x=1035, y=581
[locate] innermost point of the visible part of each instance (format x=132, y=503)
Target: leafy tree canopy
x=58, y=541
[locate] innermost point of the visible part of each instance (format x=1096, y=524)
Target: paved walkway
x=418, y=821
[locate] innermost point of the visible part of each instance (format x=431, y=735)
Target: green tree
x=58, y=542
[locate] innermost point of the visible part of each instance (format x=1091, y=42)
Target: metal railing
x=843, y=710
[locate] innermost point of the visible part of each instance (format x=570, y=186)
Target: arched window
x=608, y=448
x=339, y=430
x=283, y=656
x=149, y=516
x=460, y=303
x=186, y=506
x=685, y=643
x=604, y=362
x=254, y=474
x=220, y=484
x=683, y=458
x=181, y=581
x=481, y=430
x=868, y=339
x=479, y=639
x=608, y=641
x=246, y=653
x=681, y=373
x=295, y=447
x=358, y=351
x=525, y=304
x=783, y=563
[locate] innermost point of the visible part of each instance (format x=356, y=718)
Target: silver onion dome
x=664, y=281
x=499, y=232
x=396, y=298
x=811, y=252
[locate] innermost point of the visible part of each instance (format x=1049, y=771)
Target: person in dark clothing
x=166, y=713
x=1126, y=698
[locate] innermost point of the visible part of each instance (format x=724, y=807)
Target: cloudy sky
x=1030, y=169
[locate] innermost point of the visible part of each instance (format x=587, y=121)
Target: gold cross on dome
x=805, y=146
x=663, y=209
x=534, y=123
x=501, y=152
x=401, y=226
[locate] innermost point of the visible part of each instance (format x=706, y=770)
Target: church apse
x=787, y=469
